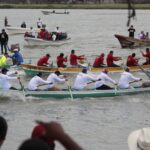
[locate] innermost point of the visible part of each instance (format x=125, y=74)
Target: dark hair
x=84, y=70
x=57, y=73
x=133, y=54
x=72, y=51
x=3, y=128
x=48, y=55
x=111, y=52
x=4, y=70
x=34, y=144
x=147, y=49
x=61, y=54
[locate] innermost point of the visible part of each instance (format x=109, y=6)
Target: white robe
x=104, y=79
x=35, y=82
x=55, y=79
x=81, y=80
x=125, y=79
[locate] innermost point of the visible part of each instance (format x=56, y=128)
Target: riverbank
x=71, y=6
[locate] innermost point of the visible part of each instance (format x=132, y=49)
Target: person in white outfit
x=102, y=84
x=39, y=23
x=82, y=80
x=37, y=81
x=126, y=77
x=5, y=78
x=55, y=78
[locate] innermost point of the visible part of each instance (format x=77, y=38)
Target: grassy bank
x=71, y=6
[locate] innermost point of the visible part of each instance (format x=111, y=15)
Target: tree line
x=69, y=1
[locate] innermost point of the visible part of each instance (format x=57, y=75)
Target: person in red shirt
x=99, y=61
x=43, y=61
x=61, y=60
x=147, y=55
x=74, y=58
x=131, y=60
x=110, y=60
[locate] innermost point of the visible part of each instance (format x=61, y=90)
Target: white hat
x=15, y=50
x=139, y=139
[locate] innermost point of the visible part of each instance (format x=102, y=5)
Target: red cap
x=39, y=132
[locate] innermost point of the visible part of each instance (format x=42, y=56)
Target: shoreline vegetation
x=72, y=6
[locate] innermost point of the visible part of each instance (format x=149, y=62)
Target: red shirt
x=131, y=61
x=147, y=55
x=60, y=61
x=98, y=61
x=74, y=58
x=110, y=59
x=43, y=61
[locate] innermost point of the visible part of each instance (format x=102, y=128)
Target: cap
x=15, y=50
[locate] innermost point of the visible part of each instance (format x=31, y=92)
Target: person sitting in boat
x=39, y=23
x=16, y=57
x=61, y=60
x=142, y=35
x=99, y=61
x=43, y=34
x=55, y=78
x=74, y=58
x=23, y=25
x=131, y=31
x=126, y=77
x=147, y=56
x=102, y=84
x=43, y=61
x=3, y=60
x=37, y=81
x=110, y=59
x=132, y=61
x=82, y=80
x=5, y=78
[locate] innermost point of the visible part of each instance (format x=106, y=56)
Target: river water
x=95, y=123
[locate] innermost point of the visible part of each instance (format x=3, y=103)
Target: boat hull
x=40, y=42
x=18, y=30
x=32, y=69
x=77, y=94
x=127, y=42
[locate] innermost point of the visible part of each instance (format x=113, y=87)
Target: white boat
x=40, y=42
x=18, y=30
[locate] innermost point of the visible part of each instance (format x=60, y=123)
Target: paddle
x=70, y=91
x=22, y=89
x=143, y=70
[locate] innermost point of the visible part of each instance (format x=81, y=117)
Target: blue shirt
x=18, y=57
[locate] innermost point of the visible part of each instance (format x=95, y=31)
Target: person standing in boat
x=37, y=81
x=6, y=22
x=126, y=77
x=74, y=58
x=101, y=84
x=16, y=57
x=147, y=56
x=3, y=41
x=55, y=78
x=61, y=60
x=110, y=59
x=43, y=61
x=5, y=78
x=39, y=23
x=99, y=61
x=23, y=25
x=131, y=31
x=82, y=80
x=132, y=61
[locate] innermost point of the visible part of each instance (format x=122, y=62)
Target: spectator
x=3, y=40
x=131, y=31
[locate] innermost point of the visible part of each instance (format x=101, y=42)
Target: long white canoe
x=19, y=30
x=40, y=42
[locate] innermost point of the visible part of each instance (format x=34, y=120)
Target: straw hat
x=139, y=139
